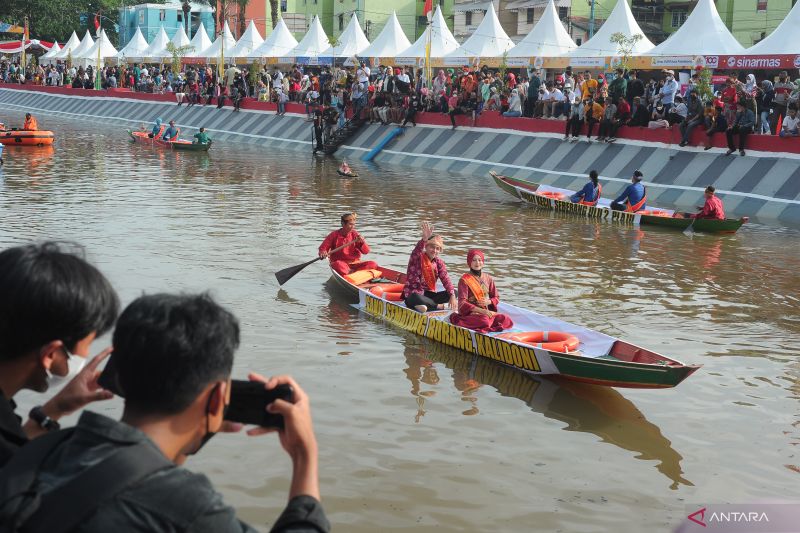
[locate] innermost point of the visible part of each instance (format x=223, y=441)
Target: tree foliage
x=177, y=55
x=625, y=47
x=57, y=19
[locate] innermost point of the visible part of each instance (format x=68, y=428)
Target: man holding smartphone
x=173, y=356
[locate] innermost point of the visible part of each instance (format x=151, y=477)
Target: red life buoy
x=554, y=341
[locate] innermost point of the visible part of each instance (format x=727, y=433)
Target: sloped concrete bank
x=762, y=184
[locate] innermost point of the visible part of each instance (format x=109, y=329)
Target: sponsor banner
x=405, y=61
x=597, y=62
x=768, y=62
x=517, y=62
x=441, y=330
x=671, y=61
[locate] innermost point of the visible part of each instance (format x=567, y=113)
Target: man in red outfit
x=712, y=208
x=348, y=259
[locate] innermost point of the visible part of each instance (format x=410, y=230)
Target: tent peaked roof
x=158, y=46
x=783, y=39
x=389, y=42
x=180, y=38
x=249, y=41
x=442, y=41
x=53, y=51
x=619, y=21
x=548, y=38
x=279, y=43
x=488, y=40
x=702, y=33
x=224, y=43
x=351, y=41
x=313, y=42
x=101, y=45
x=71, y=44
x=86, y=43
x=199, y=43
x=135, y=47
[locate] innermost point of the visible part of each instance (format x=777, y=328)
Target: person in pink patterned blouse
x=424, y=267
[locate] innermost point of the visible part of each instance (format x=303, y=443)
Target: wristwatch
x=46, y=423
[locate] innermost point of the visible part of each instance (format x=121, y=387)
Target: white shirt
x=404, y=78
x=363, y=75
x=544, y=95
x=791, y=124
x=557, y=95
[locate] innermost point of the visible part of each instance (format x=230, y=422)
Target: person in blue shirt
x=590, y=193
x=634, y=196
x=156, y=128
x=171, y=133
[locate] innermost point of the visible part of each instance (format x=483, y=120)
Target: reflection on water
x=468, y=449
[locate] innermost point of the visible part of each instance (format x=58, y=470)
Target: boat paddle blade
x=288, y=273
x=689, y=231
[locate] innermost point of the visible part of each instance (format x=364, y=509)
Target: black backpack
x=24, y=509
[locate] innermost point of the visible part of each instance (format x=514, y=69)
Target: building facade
x=150, y=17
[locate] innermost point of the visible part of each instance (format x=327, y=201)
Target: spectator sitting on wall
x=790, y=124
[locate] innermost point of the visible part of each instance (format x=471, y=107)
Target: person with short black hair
x=173, y=359
x=743, y=125
x=712, y=208
x=634, y=195
x=54, y=305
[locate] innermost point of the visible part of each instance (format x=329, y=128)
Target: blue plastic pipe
x=381, y=145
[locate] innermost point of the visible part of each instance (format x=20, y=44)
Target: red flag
x=96, y=23
x=428, y=9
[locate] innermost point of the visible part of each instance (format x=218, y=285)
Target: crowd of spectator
x=395, y=94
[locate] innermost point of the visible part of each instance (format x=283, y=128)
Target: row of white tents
x=703, y=33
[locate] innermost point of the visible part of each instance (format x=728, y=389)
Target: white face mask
x=74, y=366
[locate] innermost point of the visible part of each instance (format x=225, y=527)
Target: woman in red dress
x=478, y=299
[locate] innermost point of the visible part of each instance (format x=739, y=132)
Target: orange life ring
x=555, y=341
x=654, y=213
x=388, y=291
x=552, y=194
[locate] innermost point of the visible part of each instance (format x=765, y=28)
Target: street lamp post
x=591, y=20
x=186, y=14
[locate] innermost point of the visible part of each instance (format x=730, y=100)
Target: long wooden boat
x=15, y=137
x=178, y=144
x=557, y=199
x=598, y=359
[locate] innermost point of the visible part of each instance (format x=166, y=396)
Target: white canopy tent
x=390, y=42
x=135, y=47
x=702, y=33
x=48, y=57
x=199, y=43
x=158, y=47
x=277, y=44
x=224, y=43
x=86, y=43
x=313, y=43
x=101, y=49
x=442, y=41
x=548, y=38
x=351, y=41
x=488, y=40
x=249, y=41
x=783, y=39
x=180, y=38
x=72, y=43
x=619, y=21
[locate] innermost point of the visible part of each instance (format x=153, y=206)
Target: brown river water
x=415, y=435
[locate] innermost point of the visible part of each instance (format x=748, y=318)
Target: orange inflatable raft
x=26, y=137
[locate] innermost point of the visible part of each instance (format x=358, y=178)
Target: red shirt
x=712, y=209
x=350, y=254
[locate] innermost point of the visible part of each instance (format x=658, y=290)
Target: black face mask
x=209, y=434
x=475, y=272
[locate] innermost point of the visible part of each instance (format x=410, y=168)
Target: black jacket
x=11, y=434
x=168, y=500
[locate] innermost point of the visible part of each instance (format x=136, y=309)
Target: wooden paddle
x=288, y=273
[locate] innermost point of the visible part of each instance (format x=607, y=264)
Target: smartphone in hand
x=249, y=400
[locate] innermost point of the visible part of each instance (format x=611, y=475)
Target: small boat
x=557, y=199
x=142, y=137
x=590, y=357
x=16, y=137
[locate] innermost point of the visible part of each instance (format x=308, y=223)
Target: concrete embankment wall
x=762, y=184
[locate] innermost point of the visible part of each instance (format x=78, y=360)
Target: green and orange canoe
x=599, y=359
x=556, y=199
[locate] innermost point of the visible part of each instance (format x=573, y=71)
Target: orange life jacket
x=596, y=197
x=30, y=124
